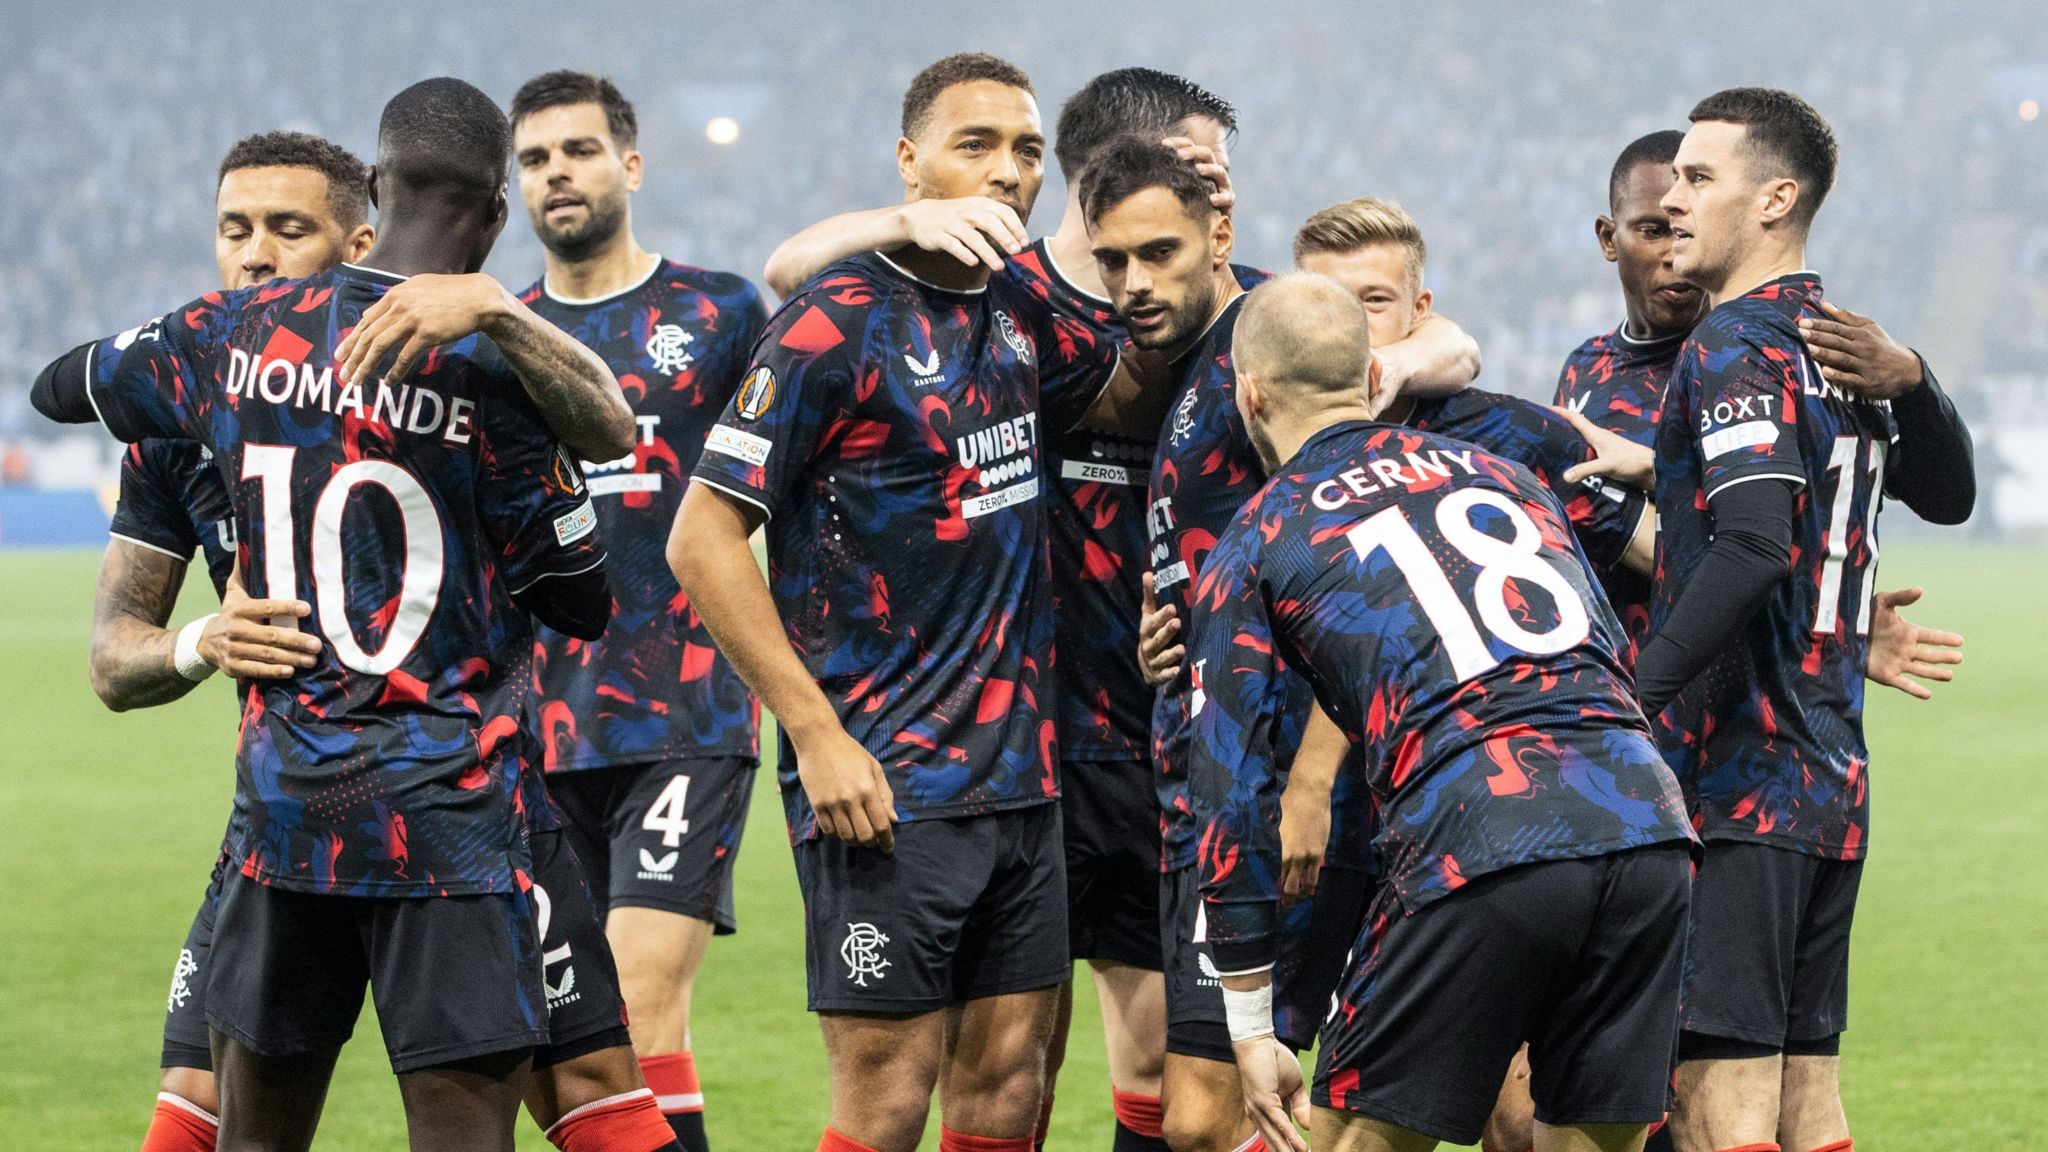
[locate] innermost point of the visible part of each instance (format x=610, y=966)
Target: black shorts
x=1579, y=958
x=585, y=1010
x=661, y=835
x=1111, y=815
x=1313, y=949
x=1317, y=953
x=1768, y=961
x=964, y=908
x=453, y=977
x=187, y=1043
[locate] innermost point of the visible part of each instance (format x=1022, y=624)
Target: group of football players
x=1122, y=603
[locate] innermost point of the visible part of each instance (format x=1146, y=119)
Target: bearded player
x=650, y=735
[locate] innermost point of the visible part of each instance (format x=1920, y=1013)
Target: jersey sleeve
x=156, y=379
x=1236, y=711
x=1076, y=361
x=801, y=373
x=535, y=509
x=1743, y=408
x=151, y=511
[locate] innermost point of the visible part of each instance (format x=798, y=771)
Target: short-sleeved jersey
x=1768, y=740
x=1437, y=600
x=1618, y=383
x=891, y=430
x=1095, y=519
x=654, y=686
x=1604, y=516
x=408, y=513
x=173, y=501
x=1203, y=470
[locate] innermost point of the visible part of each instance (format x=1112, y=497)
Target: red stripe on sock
x=1140, y=1114
x=951, y=1141
x=673, y=1076
x=837, y=1142
x=1838, y=1146
x=628, y=1123
x=1752, y=1148
x=178, y=1125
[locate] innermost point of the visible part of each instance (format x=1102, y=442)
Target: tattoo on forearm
x=570, y=384
x=132, y=664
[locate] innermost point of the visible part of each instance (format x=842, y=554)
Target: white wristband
x=185, y=656
x=1248, y=1015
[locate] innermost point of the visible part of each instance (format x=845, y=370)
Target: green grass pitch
x=108, y=824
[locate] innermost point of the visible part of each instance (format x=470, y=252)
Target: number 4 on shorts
x=666, y=814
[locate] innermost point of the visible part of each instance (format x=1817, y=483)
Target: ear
x=906, y=162
x=1251, y=394
x=1603, y=231
x=1779, y=198
x=1376, y=395
x=500, y=209
x=1423, y=300
x=359, y=243
x=372, y=178
x=1222, y=238
x=636, y=169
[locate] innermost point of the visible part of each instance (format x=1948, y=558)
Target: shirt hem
x=1413, y=901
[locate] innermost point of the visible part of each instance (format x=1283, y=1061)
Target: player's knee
x=1194, y=1122
x=193, y=1085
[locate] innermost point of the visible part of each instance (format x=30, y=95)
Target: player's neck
x=1071, y=250
x=1636, y=326
x=1290, y=433
x=1766, y=262
x=424, y=247
x=939, y=269
x=618, y=264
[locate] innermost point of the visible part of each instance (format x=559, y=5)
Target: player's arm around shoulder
x=975, y=230
x=139, y=663
x=1435, y=359
x=574, y=389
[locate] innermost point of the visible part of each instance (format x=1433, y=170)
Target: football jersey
x=1203, y=470
x=1768, y=739
x=1436, y=598
x=173, y=501
x=1618, y=383
x=1095, y=519
x=1604, y=516
x=890, y=430
x=407, y=513
x=654, y=687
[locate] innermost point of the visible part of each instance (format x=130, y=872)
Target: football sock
x=1256, y=1144
x=673, y=1076
x=1044, y=1123
x=834, y=1142
x=628, y=1122
x=1752, y=1148
x=1844, y=1145
x=179, y=1125
x=1140, y=1123
x=951, y=1141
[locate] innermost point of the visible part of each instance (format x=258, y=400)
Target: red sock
x=1843, y=1145
x=628, y=1122
x=1256, y=1144
x=179, y=1125
x=1752, y=1148
x=1141, y=1114
x=835, y=1142
x=673, y=1076
x=951, y=1141
x=1044, y=1122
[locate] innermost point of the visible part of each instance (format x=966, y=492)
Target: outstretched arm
x=577, y=395
x=974, y=229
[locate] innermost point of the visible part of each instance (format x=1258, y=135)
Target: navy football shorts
x=1580, y=959
x=662, y=835
x=454, y=977
x=586, y=1012
x=1111, y=816
x=1768, y=960
x=964, y=908
x=187, y=1043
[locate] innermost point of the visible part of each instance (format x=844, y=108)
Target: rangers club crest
x=862, y=952
x=669, y=348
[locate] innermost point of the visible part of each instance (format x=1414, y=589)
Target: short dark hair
x=565, y=86
x=959, y=68
x=1785, y=134
x=1660, y=147
x=1128, y=165
x=1144, y=101
x=348, y=179
x=444, y=133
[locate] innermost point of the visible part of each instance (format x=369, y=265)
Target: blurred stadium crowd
x=1493, y=122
